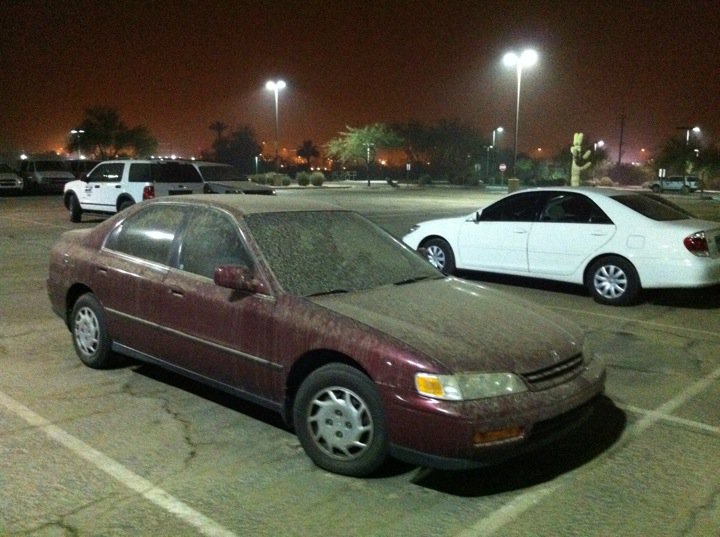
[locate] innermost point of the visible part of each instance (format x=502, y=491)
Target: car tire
x=685, y=189
x=89, y=333
x=656, y=189
x=340, y=421
x=124, y=204
x=440, y=255
x=75, y=209
x=613, y=280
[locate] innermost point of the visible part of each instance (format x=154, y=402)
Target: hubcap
x=610, y=281
x=87, y=331
x=340, y=423
x=436, y=256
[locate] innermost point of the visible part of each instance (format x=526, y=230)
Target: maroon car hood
x=462, y=325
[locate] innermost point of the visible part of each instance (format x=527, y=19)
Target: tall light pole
x=527, y=58
x=487, y=163
x=77, y=133
x=275, y=86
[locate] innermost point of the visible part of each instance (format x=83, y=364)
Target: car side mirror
x=477, y=216
x=238, y=277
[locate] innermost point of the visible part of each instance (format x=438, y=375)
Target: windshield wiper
x=417, y=279
x=330, y=292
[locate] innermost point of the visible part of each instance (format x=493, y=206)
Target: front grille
x=555, y=374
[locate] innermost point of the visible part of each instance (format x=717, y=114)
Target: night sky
x=178, y=66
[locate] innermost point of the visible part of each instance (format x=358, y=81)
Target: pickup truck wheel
x=656, y=189
x=125, y=204
x=75, y=209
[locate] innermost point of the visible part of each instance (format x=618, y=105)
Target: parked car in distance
x=80, y=167
x=10, y=181
x=226, y=179
x=614, y=242
x=676, y=183
x=114, y=185
x=315, y=312
x=45, y=175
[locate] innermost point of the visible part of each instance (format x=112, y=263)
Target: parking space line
x=668, y=417
x=131, y=480
x=655, y=324
x=514, y=508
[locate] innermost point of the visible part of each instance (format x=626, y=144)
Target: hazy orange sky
x=178, y=66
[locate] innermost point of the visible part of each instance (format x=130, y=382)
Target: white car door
x=497, y=239
x=570, y=229
x=104, y=183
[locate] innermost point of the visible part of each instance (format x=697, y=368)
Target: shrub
x=317, y=178
x=303, y=178
x=286, y=180
x=425, y=179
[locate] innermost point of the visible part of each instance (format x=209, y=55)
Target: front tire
x=614, y=281
x=340, y=421
x=440, y=255
x=75, y=209
x=89, y=333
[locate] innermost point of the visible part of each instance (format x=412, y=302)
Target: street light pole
x=687, y=130
x=527, y=58
x=487, y=162
x=77, y=133
x=275, y=87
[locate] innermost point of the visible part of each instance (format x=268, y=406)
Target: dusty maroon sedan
x=315, y=312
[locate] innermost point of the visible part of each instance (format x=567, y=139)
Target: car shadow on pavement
x=522, y=281
x=582, y=446
x=705, y=298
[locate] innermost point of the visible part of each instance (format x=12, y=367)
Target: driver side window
x=211, y=239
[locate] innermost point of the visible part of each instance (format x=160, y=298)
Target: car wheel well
x=304, y=366
x=591, y=262
x=75, y=292
x=122, y=199
x=66, y=198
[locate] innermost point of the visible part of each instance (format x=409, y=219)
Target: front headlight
x=468, y=386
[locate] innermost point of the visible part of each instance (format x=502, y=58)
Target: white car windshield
x=321, y=252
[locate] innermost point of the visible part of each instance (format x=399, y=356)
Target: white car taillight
x=697, y=244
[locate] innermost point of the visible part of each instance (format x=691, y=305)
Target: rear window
x=654, y=207
x=173, y=172
x=221, y=173
x=51, y=166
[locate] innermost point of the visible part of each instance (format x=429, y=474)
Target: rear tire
x=613, y=280
x=89, y=333
x=124, y=204
x=440, y=255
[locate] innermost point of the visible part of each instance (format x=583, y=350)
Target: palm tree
x=218, y=127
x=307, y=151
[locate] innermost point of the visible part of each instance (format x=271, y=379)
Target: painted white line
x=519, y=504
x=674, y=419
x=712, y=333
x=131, y=480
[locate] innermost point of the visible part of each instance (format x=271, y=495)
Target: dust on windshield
x=319, y=252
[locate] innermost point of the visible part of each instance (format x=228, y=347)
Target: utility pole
x=622, y=130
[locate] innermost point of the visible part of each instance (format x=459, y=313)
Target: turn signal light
x=489, y=437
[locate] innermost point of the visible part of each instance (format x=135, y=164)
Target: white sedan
x=614, y=242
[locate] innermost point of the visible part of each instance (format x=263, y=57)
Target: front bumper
x=442, y=434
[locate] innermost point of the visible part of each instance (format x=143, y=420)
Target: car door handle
x=598, y=233
x=177, y=293
x=520, y=231
x=118, y=186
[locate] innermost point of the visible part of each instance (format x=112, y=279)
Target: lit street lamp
x=487, y=162
x=77, y=133
x=687, y=130
x=527, y=58
x=275, y=87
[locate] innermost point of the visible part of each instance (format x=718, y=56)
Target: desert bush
x=303, y=178
x=317, y=178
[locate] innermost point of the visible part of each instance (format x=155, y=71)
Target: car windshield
x=221, y=173
x=322, y=252
x=654, y=207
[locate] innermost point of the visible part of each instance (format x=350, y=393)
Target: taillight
x=148, y=192
x=697, y=244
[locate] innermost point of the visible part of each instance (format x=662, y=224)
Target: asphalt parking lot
x=137, y=451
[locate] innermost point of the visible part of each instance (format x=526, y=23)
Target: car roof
x=207, y=163
x=602, y=191
x=245, y=205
